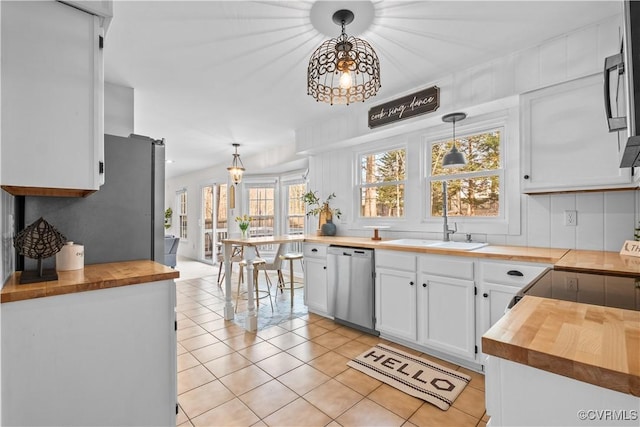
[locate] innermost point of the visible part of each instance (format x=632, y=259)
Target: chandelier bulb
x=345, y=80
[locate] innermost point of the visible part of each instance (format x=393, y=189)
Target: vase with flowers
x=322, y=209
x=243, y=222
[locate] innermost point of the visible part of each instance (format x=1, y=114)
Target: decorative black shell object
x=39, y=240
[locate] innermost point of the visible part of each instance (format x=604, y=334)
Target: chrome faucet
x=445, y=226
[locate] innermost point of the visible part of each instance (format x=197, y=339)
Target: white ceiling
x=210, y=73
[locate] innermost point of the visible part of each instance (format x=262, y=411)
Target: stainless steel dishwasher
x=351, y=287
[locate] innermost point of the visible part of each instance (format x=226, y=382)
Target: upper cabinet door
x=566, y=142
x=52, y=98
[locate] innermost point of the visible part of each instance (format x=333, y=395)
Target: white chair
x=291, y=256
x=258, y=263
x=236, y=256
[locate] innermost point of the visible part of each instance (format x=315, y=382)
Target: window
x=475, y=189
x=182, y=213
x=382, y=183
x=295, y=208
x=261, y=210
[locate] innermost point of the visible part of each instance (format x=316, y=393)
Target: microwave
x=622, y=86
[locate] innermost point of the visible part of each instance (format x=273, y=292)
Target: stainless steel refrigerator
x=122, y=221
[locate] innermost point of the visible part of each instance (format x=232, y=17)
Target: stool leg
x=255, y=284
x=268, y=281
x=291, y=277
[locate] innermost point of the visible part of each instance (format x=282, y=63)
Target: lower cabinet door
x=315, y=285
x=495, y=299
x=396, y=303
x=446, y=315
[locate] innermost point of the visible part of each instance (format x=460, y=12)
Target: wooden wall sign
x=630, y=248
x=425, y=101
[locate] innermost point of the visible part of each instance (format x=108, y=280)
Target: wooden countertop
x=92, y=277
x=512, y=253
x=598, y=261
x=594, y=344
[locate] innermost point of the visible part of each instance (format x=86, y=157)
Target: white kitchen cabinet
x=446, y=305
x=521, y=395
x=52, y=99
x=100, y=357
x=499, y=282
x=396, y=294
x=566, y=145
x=316, y=293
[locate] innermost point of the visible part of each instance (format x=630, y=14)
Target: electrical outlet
x=571, y=284
x=571, y=218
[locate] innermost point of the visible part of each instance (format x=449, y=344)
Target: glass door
x=213, y=227
x=206, y=225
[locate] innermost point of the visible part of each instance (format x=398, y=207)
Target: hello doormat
x=415, y=376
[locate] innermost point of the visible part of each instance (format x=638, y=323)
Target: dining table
x=249, y=245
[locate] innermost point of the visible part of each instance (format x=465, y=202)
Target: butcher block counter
x=512, y=253
x=595, y=344
x=92, y=277
x=598, y=262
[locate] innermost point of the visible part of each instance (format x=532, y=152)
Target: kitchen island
x=95, y=347
x=556, y=362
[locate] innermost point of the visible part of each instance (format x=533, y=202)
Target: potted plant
x=167, y=218
x=316, y=207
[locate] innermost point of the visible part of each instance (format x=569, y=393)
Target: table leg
x=251, y=323
x=228, y=304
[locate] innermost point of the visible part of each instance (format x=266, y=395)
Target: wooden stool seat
x=257, y=262
x=292, y=256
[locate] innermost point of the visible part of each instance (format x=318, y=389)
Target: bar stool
x=257, y=263
x=291, y=256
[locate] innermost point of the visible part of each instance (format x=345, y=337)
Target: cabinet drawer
x=315, y=250
x=510, y=274
x=395, y=260
x=446, y=266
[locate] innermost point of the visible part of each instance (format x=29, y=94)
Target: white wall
x=605, y=219
x=118, y=110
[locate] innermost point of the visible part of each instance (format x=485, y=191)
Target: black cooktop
x=588, y=288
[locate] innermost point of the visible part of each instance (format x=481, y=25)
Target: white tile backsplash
x=590, y=228
x=605, y=220
x=619, y=218
x=538, y=221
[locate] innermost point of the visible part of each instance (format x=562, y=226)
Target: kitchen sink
x=464, y=246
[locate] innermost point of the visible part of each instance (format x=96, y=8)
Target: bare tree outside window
x=382, y=182
x=261, y=210
x=473, y=190
x=295, y=208
x=182, y=213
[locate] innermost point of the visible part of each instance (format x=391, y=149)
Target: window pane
x=382, y=201
x=383, y=167
x=474, y=197
x=481, y=151
x=296, y=211
x=221, y=218
x=182, y=217
x=261, y=210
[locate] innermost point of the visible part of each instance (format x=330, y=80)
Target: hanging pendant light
x=237, y=168
x=345, y=69
x=454, y=158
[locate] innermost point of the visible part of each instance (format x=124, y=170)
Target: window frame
x=270, y=183
x=466, y=175
x=383, y=146
x=285, y=183
x=183, y=229
x=506, y=222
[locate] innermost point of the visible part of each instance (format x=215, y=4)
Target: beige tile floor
x=292, y=372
